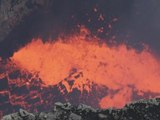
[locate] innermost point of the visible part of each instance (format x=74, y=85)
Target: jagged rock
x=42, y=116
x=12, y=13
x=141, y=110
x=25, y=114
x=21, y=115
x=86, y=108
x=14, y=116
x=74, y=116
x=102, y=116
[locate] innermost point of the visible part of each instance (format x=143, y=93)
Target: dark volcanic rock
x=141, y=110
x=14, y=17
x=12, y=13
x=17, y=19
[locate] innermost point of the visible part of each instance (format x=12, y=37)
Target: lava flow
x=120, y=69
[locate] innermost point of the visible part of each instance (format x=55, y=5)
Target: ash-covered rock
x=12, y=13
x=16, y=17
x=141, y=110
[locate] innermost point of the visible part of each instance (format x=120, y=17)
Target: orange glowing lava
x=115, y=67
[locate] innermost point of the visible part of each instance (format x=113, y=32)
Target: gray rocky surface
x=17, y=22
x=140, y=110
x=12, y=13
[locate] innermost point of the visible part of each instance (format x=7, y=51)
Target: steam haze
x=137, y=22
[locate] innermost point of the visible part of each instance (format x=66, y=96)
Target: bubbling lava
x=115, y=67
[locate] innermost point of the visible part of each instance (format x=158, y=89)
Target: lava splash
x=121, y=69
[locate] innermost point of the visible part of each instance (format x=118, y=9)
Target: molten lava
x=120, y=69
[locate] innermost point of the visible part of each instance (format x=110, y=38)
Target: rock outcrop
x=12, y=13
x=141, y=110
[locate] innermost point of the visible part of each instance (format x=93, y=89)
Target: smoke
x=61, y=16
x=133, y=22
x=144, y=24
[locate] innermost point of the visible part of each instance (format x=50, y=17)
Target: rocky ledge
x=141, y=110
